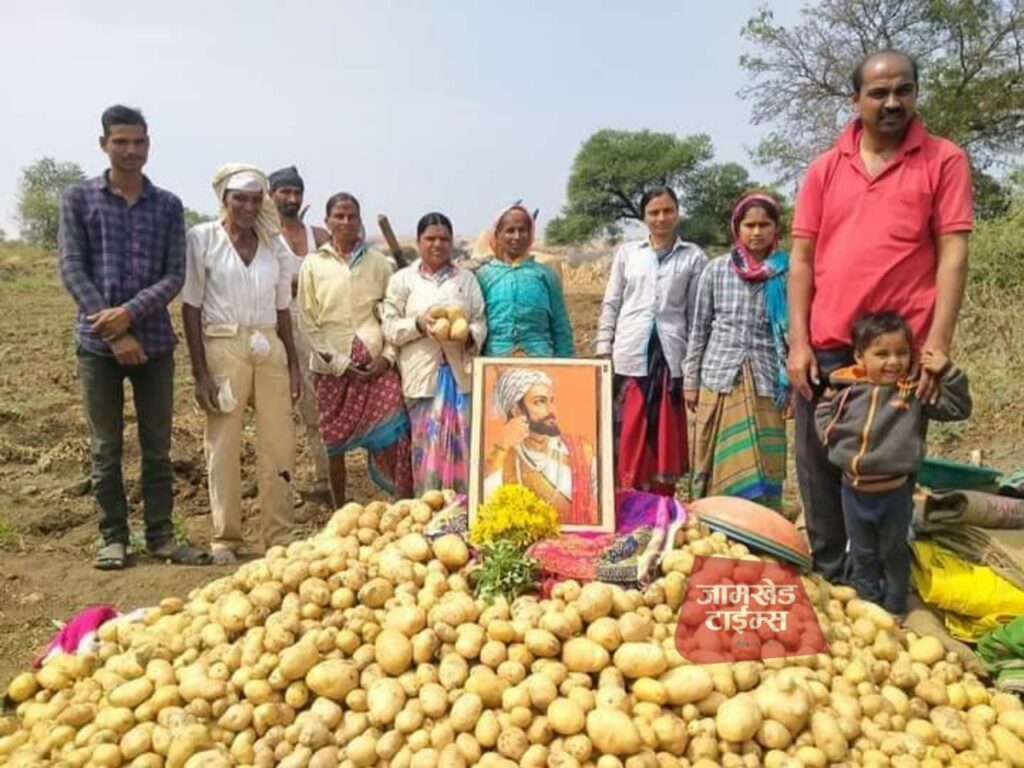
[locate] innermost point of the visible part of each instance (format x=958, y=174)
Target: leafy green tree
x=39, y=199
x=711, y=192
x=611, y=172
x=193, y=217
x=614, y=168
x=972, y=74
x=997, y=253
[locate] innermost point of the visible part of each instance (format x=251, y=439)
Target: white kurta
x=229, y=291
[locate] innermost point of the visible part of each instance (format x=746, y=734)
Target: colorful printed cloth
x=454, y=518
x=650, y=427
x=645, y=524
x=440, y=437
x=356, y=413
x=740, y=445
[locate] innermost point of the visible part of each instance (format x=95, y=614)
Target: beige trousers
x=264, y=383
x=307, y=407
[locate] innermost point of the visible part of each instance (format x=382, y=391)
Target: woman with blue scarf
x=734, y=375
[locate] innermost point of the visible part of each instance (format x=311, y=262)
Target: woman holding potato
x=358, y=391
x=434, y=315
x=525, y=304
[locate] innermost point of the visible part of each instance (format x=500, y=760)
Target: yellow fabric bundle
x=975, y=598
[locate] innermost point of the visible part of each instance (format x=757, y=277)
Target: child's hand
x=933, y=361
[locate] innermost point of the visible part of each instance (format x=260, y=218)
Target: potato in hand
x=441, y=329
x=459, y=330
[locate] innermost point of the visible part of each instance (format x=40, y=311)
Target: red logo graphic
x=746, y=610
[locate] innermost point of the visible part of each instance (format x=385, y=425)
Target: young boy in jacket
x=872, y=424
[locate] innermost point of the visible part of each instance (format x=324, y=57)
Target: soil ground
x=48, y=533
x=48, y=529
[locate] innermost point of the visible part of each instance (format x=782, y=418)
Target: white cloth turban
x=512, y=386
x=248, y=178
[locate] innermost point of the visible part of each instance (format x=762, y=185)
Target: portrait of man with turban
x=533, y=451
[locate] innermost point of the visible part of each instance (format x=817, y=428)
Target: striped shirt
x=115, y=254
x=730, y=327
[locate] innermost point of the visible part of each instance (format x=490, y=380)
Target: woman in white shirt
x=238, y=327
x=644, y=323
x=436, y=369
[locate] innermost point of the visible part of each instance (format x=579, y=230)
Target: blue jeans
x=878, y=525
x=102, y=380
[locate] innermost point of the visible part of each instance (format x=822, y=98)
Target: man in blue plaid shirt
x=122, y=259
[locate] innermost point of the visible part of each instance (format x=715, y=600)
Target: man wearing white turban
x=238, y=285
x=532, y=450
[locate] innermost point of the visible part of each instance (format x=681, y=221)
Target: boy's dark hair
x=857, y=78
x=869, y=327
x=122, y=115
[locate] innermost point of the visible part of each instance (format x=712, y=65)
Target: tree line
x=971, y=54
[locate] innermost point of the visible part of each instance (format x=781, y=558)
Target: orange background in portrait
x=576, y=394
x=583, y=403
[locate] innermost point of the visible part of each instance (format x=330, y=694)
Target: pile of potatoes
x=363, y=646
x=449, y=323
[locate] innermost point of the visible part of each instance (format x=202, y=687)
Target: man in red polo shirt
x=881, y=223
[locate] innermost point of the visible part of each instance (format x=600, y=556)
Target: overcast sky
x=456, y=105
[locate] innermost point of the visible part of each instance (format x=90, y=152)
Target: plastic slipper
x=181, y=554
x=224, y=557
x=111, y=557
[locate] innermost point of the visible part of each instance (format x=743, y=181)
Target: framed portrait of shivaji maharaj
x=545, y=424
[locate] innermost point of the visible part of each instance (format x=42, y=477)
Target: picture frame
x=563, y=435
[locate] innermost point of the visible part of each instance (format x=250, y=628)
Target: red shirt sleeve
x=953, y=206
x=807, y=216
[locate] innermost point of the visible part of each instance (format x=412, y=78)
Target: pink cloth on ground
x=80, y=629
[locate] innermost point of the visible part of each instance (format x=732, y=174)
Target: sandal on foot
x=224, y=557
x=180, y=554
x=111, y=557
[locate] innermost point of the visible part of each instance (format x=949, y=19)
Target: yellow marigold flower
x=515, y=514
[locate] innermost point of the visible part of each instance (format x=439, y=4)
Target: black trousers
x=878, y=525
x=821, y=481
x=102, y=379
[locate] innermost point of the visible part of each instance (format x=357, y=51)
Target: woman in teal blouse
x=526, y=314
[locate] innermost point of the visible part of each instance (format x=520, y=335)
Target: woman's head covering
x=741, y=210
x=240, y=177
x=487, y=245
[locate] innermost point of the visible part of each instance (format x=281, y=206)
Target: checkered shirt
x=730, y=327
x=114, y=254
